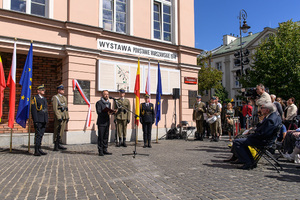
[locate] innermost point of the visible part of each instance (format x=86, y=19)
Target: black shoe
x=55, y=146
x=107, y=153
x=246, y=167
x=101, y=154
x=118, y=144
x=201, y=138
x=41, y=151
x=233, y=158
x=124, y=142
x=36, y=151
x=61, y=147
x=254, y=166
x=236, y=161
x=145, y=145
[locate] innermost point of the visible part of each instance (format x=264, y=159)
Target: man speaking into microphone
x=103, y=110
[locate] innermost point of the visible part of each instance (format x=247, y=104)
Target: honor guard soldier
x=213, y=111
x=147, y=119
x=122, y=117
x=61, y=117
x=199, y=109
x=39, y=112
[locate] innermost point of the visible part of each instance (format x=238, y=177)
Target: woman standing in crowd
x=229, y=120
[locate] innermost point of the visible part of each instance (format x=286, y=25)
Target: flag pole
x=157, y=133
x=29, y=125
x=10, y=146
x=136, y=133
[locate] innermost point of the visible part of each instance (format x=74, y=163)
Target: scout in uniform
x=39, y=112
x=122, y=117
x=213, y=110
x=147, y=118
x=199, y=109
x=61, y=116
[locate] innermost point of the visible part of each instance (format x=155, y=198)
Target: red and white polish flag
x=11, y=83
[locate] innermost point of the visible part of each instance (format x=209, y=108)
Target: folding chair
x=264, y=151
x=186, y=130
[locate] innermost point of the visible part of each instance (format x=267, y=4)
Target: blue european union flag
x=26, y=82
x=158, y=97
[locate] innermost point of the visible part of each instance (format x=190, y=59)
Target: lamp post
x=244, y=28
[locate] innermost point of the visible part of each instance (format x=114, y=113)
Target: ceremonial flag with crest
x=137, y=94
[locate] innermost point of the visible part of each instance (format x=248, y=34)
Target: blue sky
x=215, y=18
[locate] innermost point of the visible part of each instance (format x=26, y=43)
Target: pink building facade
x=99, y=42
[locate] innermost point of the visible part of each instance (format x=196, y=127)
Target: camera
x=251, y=93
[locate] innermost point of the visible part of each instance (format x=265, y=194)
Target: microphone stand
x=135, y=116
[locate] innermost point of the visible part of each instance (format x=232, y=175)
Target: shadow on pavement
x=15, y=151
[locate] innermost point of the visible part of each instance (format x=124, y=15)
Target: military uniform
x=147, y=118
x=213, y=109
x=39, y=112
x=61, y=118
x=199, y=109
x=123, y=118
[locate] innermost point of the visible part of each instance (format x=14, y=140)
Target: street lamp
x=244, y=28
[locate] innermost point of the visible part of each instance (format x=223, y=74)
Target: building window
x=34, y=7
x=162, y=20
x=219, y=66
x=115, y=15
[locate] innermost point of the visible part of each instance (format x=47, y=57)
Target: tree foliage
x=222, y=94
x=208, y=77
x=277, y=62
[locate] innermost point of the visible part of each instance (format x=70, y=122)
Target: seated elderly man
x=260, y=137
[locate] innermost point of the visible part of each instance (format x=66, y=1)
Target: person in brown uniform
x=199, y=109
x=122, y=117
x=213, y=110
x=61, y=116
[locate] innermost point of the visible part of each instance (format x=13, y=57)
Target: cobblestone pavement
x=175, y=169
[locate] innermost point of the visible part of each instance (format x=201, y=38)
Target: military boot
x=124, y=142
x=36, y=151
x=60, y=146
x=149, y=144
x=120, y=142
x=55, y=145
x=201, y=137
x=41, y=151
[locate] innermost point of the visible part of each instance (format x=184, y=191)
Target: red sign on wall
x=190, y=80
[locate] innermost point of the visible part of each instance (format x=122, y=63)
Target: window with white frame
x=219, y=66
x=162, y=20
x=34, y=7
x=115, y=15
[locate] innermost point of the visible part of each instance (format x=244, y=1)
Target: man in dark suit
x=147, y=118
x=103, y=110
x=263, y=132
x=39, y=112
